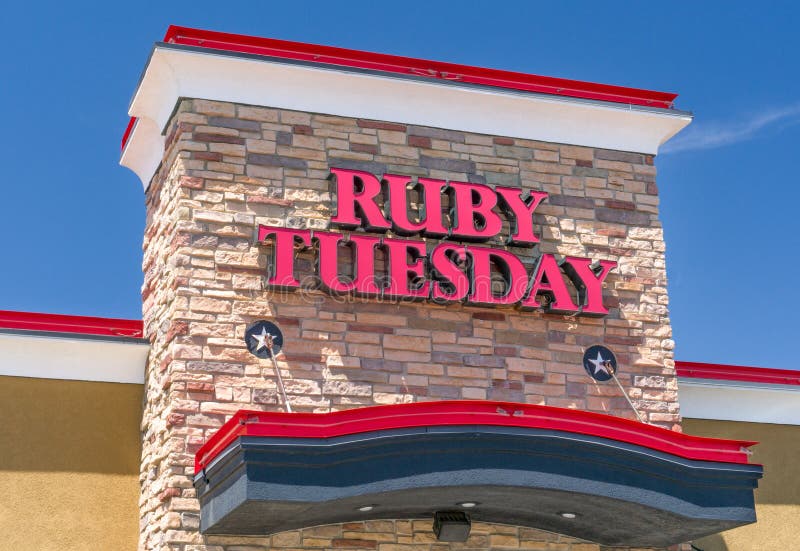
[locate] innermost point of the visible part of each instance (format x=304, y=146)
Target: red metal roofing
x=59, y=323
x=330, y=55
x=468, y=412
x=409, y=66
x=698, y=370
x=128, y=130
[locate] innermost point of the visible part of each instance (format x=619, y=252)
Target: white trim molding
x=45, y=356
x=173, y=72
x=739, y=401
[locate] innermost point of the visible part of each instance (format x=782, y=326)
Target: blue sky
x=73, y=218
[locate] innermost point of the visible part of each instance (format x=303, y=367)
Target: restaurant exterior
x=389, y=304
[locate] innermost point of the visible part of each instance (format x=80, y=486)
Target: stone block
x=238, y=165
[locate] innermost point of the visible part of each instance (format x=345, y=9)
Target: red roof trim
x=410, y=66
x=468, y=412
x=127, y=134
x=698, y=370
x=418, y=67
x=81, y=325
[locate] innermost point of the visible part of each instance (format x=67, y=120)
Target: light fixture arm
x=613, y=373
x=270, y=342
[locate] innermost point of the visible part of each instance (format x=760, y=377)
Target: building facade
x=374, y=292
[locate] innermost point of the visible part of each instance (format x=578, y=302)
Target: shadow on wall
x=778, y=494
x=777, y=449
x=710, y=543
x=75, y=426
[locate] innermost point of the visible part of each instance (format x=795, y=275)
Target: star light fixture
x=264, y=340
x=261, y=339
x=600, y=364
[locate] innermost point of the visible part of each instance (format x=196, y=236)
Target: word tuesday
x=450, y=272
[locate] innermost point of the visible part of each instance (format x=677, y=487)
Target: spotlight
x=468, y=504
x=366, y=508
x=569, y=515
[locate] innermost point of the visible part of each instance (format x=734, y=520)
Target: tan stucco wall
x=778, y=495
x=69, y=464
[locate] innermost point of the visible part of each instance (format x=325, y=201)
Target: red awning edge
x=468, y=412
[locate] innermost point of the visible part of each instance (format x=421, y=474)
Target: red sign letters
x=449, y=271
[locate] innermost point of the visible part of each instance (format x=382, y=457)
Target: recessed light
x=569, y=515
x=468, y=504
x=366, y=508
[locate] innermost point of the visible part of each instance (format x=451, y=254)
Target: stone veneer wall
x=229, y=167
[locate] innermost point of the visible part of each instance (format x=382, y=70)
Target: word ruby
x=472, y=207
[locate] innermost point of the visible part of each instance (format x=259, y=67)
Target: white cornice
x=739, y=401
x=49, y=356
x=174, y=72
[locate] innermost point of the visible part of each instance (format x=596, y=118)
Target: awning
x=591, y=476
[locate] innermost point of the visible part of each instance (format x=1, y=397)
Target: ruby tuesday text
x=450, y=271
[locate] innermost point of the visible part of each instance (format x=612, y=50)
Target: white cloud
x=710, y=135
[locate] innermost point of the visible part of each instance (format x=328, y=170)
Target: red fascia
x=698, y=370
x=81, y=325
x=437, y=70
x=127, y=134
x=419, y=67
x=468, y=412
